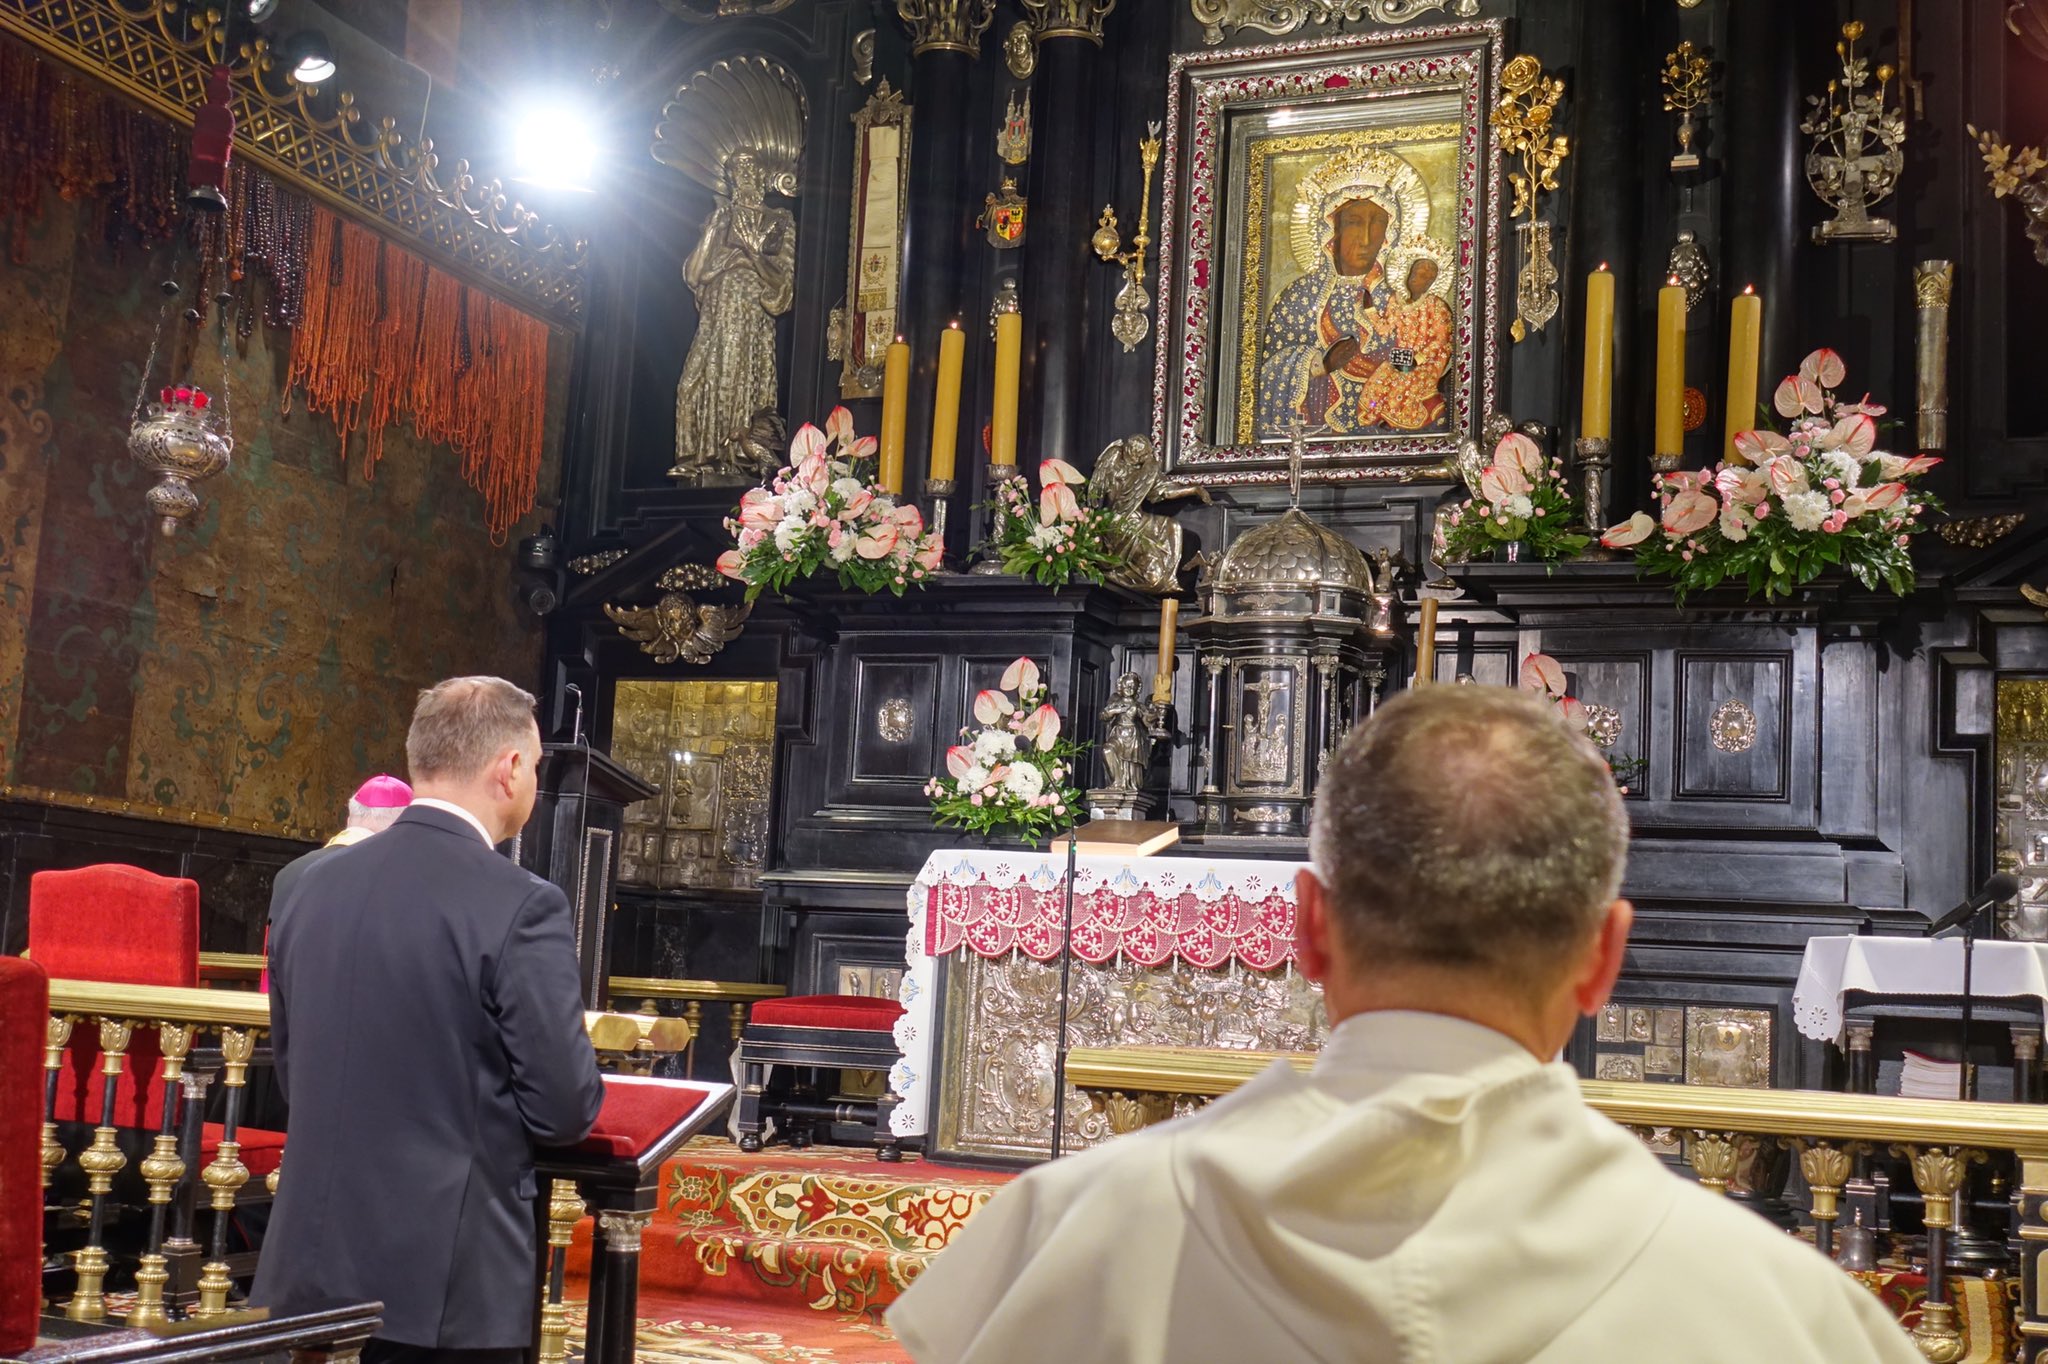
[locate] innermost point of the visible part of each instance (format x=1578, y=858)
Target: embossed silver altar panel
x=996, y=1090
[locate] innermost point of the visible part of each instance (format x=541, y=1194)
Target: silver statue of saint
x=1128, y=724
x=743, y=276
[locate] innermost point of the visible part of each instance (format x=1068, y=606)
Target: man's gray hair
x=461, y=724
x=375, y=818
x=1469, y=827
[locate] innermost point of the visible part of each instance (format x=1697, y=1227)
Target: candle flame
x=1603, y=267
x=1674, y=281
x=1749, y=288
x=954, y=325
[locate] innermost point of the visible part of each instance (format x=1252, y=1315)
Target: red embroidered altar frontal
x=1202, y=912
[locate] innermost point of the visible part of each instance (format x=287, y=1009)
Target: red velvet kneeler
x=24, y=1012
x=859, y=1013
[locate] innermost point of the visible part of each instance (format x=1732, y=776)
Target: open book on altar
x=1119, y=838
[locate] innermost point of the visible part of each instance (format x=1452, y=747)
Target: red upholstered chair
x=24, y=1005
x=815, y=1032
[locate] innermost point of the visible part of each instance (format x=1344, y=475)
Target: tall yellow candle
x=1002, y=437
x=1596, y=397
x=946, y=402
x=1745, y=330
x=1162, y=676
x=1671, y=371
x=895, y=413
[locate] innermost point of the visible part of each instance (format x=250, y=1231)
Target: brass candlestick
x=938, y=498
x=1129, y=323
x=1596, y=463
x=1688, y=84
x=990, y=562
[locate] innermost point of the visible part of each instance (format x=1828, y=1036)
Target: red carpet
x=788, y=1255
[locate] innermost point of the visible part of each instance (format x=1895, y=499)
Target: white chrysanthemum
x=843, y=551
x=1734, y=523
x=973, y=779
x=1025, y=782
x=1844, y=466
x=848, y=488
x=1518, y=504
x=786, y=533
x=1044, y=537
x=1807, y=510
x=991, y=746
x=798, y=503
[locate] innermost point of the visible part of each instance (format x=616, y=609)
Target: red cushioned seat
x=123, y=925
x=636, y=1115
x=24, y=1006
x=859, y=1013
x=262, y=1149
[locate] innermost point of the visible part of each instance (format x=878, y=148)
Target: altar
x=1182, y=949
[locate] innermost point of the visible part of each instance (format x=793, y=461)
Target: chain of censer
x=377, y=333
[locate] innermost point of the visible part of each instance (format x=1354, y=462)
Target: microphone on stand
x=2002, y=886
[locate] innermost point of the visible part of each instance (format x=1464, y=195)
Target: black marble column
x=935, y=245
x=1606, y=208
x=1057, y=255
x=1763, y=211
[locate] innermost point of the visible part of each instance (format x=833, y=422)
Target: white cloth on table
x=1908, y=966
x=1430, y=1194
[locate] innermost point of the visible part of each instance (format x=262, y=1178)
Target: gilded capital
x=946, y=25
x=1068, y=18
x=1933, y=280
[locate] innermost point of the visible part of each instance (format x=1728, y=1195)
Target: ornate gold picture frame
x=1330, y=257
x=874, y=260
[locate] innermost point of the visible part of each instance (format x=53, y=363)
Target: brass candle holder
x=1688, y=84
x=938, y=500
x=1129, y=321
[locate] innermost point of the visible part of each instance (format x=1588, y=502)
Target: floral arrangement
x=820, y=512
x=1059, y=539
x=1013, y=771
x=1541, y=674
x=1521, y=496
x=1790, y=506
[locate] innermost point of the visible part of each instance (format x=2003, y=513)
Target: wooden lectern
x=573, y=840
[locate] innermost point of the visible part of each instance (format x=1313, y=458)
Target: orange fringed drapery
x=383, y=335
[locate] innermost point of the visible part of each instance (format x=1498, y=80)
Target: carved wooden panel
x=1615, y=689
x=893, y=728
x=1733, y=713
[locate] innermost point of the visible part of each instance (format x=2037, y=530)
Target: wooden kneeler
x=819, y=1032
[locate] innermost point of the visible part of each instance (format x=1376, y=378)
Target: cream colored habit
x=1428, y=1194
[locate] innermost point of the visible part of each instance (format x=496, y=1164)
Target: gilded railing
x=649, y=991
x=1726, y=1136
x=223, y=1028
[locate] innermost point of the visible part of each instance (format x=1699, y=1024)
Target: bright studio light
x=555, y=143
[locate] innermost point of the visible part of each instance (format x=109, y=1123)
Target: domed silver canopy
x=1293, y=552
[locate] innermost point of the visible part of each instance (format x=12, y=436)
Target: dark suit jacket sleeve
x=539, y=1008
x=278, y=1034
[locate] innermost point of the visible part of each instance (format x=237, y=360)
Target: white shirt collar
x=450, y=807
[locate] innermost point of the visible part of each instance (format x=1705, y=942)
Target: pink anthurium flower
x=1742, y=487
x=1540, y=672
x=991, y=706
x=807, y=441
x=1689, y=512
x=1864, y=406
x=1499, y=482
x=1633, y=531
x=1056, y=502
x=731, y=564
x=1786, y=475
x=864, y=448
x=1572, y=709
x=877, y=544
x=1757, y=446
x=1823, y=367
x=839, y=426
x=1898, y=466
x=1021, y=676
x=1786, y=398
x=1883, y=495
x=1044, y=728
x=909, y=520
x=1517, y=451
x=959, y=760
x=1059, y=471
x=932, y=555
x=1855, y=436
x=759, y=510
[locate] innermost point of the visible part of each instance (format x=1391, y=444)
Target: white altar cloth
x=1908, y=966
x=1205, y=911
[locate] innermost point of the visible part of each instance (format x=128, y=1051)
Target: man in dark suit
x=428, y=1032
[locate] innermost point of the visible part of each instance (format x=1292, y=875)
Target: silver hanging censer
x=183, y=439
